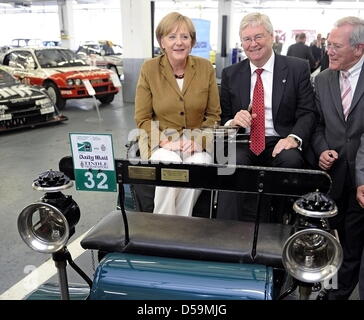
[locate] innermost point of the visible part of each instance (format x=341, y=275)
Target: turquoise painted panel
x=129, y=276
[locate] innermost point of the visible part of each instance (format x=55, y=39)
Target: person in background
x=316, y=53
x=176, y=93
x=325, y=57
x=277, y=45
x=318, y=40
x=270, y=96
x=301, y=50
x=339, y=92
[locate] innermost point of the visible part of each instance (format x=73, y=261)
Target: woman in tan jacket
x=176, y=96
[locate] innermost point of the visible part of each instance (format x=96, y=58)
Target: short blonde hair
x=256, y=19
x=170, y=21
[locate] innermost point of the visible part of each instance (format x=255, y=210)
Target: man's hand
x=327, y=159
x=243, y=118
x=284, y=144
x=360, y=195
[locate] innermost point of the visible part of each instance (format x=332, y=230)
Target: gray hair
x=256, y=19
x=357, y=35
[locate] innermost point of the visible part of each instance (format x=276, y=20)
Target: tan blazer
x=158, y=98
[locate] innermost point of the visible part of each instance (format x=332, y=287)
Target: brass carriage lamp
x=313, y=254
x=46, y=225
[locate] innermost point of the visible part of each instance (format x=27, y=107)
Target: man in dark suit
x=340, y=102
x=300, y=50
x=288, y=111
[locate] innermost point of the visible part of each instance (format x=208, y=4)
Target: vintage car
x=62, y=73
x=103, y=54
x=151, y=256
x=22, y=105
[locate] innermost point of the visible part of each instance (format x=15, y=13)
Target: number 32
x=91, y=182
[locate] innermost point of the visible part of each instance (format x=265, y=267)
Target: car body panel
x=133, y=276
x=51, y=291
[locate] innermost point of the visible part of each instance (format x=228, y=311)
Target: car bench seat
x=189, y=238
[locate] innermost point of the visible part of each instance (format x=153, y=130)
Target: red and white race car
x=62, y=73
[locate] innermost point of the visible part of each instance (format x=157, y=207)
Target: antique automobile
x=24, y=106
x=104, y=54
x=62, y=73
x=151, y=256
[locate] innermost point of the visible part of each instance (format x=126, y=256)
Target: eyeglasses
x=256, y=38
x=183, y=37
x=334, y=47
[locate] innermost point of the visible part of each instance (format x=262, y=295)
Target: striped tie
x=345, y=89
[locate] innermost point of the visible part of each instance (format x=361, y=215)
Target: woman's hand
x=171, y=145
x=188, y=146
x=184, y=145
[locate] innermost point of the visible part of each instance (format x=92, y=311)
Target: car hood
x=19, y=93
x=79, y=72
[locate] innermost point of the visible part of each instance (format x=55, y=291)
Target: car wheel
x=106, y=99
x=55, y=95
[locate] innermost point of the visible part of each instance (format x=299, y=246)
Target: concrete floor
x=27, y=153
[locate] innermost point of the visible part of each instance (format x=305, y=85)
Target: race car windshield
x=52, y=58
x=6, y=79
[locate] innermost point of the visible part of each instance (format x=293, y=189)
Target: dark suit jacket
x=300, y=50
x=332, y=131
x=292, y=97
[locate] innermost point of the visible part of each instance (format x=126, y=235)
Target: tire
x=107, y=98
x=55, y=95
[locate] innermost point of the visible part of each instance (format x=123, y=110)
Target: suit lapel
x=280, y=72
x=359, y=91
x=167, y=72
x=243, y=84
x=334, y=86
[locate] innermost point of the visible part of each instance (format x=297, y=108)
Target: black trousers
x=238, y=206
x=350, y=226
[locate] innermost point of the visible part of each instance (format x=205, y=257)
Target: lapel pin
x=284, y=80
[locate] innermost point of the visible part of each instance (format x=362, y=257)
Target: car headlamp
x=315, y=205
x=70, y=82
x=78, y=82
x=46, y=225
x=312, y=255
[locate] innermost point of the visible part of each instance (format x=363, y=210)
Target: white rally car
x=62, y=73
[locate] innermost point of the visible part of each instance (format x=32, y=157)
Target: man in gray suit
x=340, y=102
x=359, y=165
